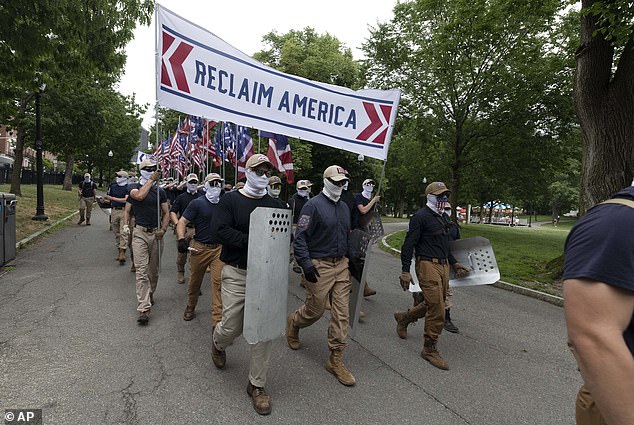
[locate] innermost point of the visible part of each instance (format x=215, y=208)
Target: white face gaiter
x=145, y=175
x=367, y=191
x=255, y=185
x=192, y=187
x=303, y=192
x=87, y=179
x=437, y=203
x=345, y=186
x=212, y=193
x=122, y=181
x=275, y=193
x=332, y=191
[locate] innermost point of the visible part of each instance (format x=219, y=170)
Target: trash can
x=7, y=227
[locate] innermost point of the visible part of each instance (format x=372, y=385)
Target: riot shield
x=267, y=274
x=372, y=232
x=475, y=253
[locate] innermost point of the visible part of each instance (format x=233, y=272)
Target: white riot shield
x=267, y=274
x=375, y=232
x=475, y=253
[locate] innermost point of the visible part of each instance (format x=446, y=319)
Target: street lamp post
x=39, y=210
x=110, y=154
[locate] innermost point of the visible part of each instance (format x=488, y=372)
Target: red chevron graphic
x=375, y=123
x=176, y=62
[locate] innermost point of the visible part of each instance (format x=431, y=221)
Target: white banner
x=200, y=74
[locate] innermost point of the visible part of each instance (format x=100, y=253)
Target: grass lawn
x=58, y=204
x=531, y=257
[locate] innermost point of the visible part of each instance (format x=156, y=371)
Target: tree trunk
x=68, y=173
x=16, y=174
x=604, y=102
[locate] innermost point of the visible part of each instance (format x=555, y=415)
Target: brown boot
x=121, y=257
x=410, y=316
x=336, y=367
x=219, y=357
x=81, y=219
x=292, y=333
x=181, y=277
x=430, y=354
x=189, y=313
x=261, y=400
x=367, y=291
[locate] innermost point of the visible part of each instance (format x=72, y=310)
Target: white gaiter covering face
x=332, y=191
x=192, y=187
x=255, y=185
x=275, y=193
x=145, y=175
x=345, y=186
x=367, y=191
x=437, y=203
x=122, y=181
x=212, y=193
x=303, y=192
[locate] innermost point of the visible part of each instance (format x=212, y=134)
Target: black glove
x=182, y=246
x=311, y=275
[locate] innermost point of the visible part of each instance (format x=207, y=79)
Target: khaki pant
x=85, y=207
x=587, y=412
x=116, y=222
x=449, y=298
x=334, y=284
x=434, y=281
x=199, y=261
x=230, y=327
x=146, y=261
x=181, y=257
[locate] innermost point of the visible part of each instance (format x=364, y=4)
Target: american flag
x=228, y=141
x=280, y=155
x=244, y=149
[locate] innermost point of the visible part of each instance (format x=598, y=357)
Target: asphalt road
x=70, y=344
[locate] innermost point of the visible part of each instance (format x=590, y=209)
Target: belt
x=117, y=208
x=208, y=245
x=237, y=266
x=333, y=259
x=145, y=229
x=433, y=260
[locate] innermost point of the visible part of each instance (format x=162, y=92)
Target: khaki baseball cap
x=122, y=173
x=368, y=181
x=436, y=188
x=191, y=177
x=336, y=173
x=147, y=163
x=274, y=180
x=303, y=184
x=212, y=177
x=257, y=159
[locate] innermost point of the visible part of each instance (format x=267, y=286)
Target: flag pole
x=235, y=154
x=156, y=118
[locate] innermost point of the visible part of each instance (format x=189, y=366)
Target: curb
x=25, y=241
x=552, y=299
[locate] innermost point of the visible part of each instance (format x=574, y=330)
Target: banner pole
x=156, y=118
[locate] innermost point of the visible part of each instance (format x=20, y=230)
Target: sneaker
x=143, y=318
x=219, y=357
x=261, y=400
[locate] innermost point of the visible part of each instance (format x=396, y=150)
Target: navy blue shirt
x=600, y=247
x=201, y=213
x=117, y=191
x=145, y=211
x=428, y=236
x=297, y=203
x=322, y=231
x=357, y=221
x=232, y=225
x=182, y=200
x=87, y=189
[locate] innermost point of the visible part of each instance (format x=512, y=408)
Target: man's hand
x=156, y=176
x=182, y=246
x=159, y=234
x=125, y=231
x=405, y=278
x=311, y=274
x=461, y=270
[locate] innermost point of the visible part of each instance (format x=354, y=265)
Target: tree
x=485, y=77
x=604, y=98
x=66, y=43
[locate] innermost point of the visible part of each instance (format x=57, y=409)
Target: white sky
x=242, y=23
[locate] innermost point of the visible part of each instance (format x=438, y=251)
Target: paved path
x=69, y=344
